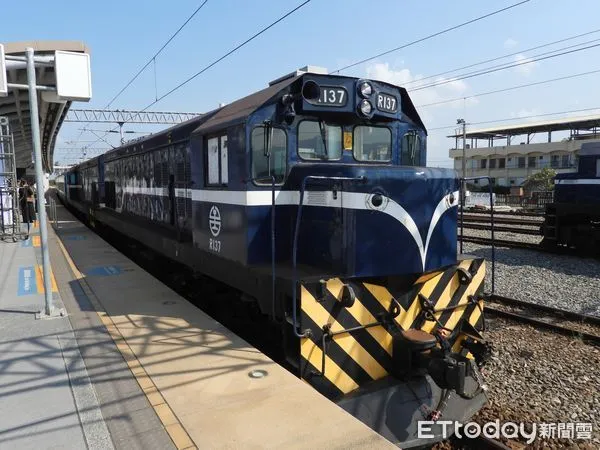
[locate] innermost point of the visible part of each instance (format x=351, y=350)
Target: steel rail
x=502, y=229
x=550, y=313
x=505, y=243
x=560, y=313
x=468, y=218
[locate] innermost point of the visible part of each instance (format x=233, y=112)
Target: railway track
x=555, y=250
x=502, y=229
x=486, y=213
x=505, y=243
x=486, y=218
x=581, y=326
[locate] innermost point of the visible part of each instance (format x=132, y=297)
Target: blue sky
x=123, y=35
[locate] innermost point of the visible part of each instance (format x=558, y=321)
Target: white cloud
x=526, y=66
x=452, y=88
x=510, y=43
x=382, y=72
x=452, y=84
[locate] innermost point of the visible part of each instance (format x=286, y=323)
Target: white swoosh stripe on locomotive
x=347, y=200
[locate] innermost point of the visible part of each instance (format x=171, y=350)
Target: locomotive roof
x=242, y=108
x=234, y=112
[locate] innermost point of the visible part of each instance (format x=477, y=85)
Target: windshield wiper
x=324, y=137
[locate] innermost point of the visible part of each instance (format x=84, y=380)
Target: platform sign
x=73, y=76
x=27, y=281
x=104, y=271
x=3, y=74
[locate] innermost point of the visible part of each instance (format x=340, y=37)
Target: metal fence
x=536, y=200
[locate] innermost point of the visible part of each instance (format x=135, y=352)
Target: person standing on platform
x=26, y=203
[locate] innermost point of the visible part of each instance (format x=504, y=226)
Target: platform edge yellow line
x=174, y=428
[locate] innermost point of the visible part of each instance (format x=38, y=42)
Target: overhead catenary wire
x=504, y=67
x=153, y=58
x=431, y=36
x=215, y=62
x=419, y=80
x=512, y=88
x=150, y=61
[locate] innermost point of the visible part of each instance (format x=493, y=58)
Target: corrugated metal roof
x=574, y=123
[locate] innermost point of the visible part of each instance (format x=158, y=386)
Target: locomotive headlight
x=365, y=108
x=365, y=89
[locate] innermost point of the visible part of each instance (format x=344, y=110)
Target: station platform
x=134, y=365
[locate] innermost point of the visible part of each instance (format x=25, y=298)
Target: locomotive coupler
x=418, y=353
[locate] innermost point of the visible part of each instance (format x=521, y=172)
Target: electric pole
x=464, y=146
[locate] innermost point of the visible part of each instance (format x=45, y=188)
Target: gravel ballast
x=560, y=281
x=538, y=377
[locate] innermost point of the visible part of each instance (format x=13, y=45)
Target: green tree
x=540, y=181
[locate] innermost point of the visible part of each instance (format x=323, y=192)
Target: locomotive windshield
x=372, y=143
x=319, y=141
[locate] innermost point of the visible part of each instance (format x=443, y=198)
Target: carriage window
x=264, y=167
x=218, y=170
x=411, y=149
x=319, y=141
x=372, y=143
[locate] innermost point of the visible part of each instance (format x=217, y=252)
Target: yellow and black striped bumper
x=348, y=346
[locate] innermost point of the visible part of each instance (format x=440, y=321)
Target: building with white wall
x=510, y=154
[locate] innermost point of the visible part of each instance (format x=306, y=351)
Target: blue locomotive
x=573, y=219
x=311, y=198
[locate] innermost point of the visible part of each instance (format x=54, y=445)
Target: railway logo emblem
x=214, y=221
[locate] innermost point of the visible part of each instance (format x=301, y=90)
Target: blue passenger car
x=312, y=198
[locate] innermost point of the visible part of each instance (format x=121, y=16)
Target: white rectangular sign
x=3, y=74
x=73, y=77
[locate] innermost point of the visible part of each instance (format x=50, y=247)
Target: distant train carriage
x=573, y=219
x=316, y=186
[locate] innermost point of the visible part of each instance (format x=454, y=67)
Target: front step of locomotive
x=395, y=357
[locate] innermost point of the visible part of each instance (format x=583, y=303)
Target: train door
x=181, y=193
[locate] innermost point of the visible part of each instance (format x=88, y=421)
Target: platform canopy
x=15, y=106
x=573, y=124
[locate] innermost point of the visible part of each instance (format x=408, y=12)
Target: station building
x=510, y=154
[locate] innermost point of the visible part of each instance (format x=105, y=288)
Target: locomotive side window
x=217, y=159
x=271, y=161
x=224, y=160
x=372, y=143
x=411, y=149
x=318, y=141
